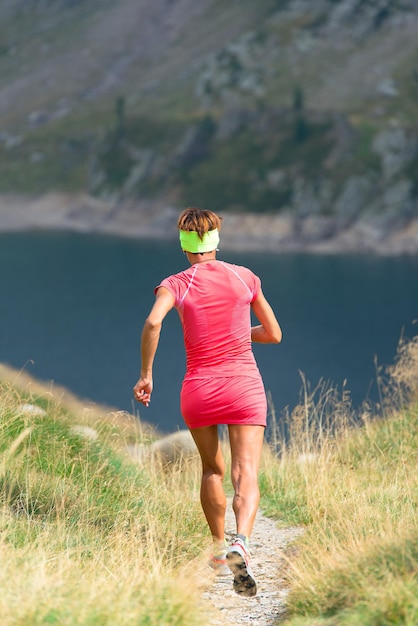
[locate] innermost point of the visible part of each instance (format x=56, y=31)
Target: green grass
x=363, y=157
x=86, y=535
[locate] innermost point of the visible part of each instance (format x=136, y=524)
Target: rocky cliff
x=303, y=111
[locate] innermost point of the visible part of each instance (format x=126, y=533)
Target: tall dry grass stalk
x=403, y=375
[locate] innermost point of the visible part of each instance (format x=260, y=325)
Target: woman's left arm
x=269, y=330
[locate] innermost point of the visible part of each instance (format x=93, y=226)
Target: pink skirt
x=228, y=400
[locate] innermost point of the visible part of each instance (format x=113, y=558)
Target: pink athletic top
x=213, y=301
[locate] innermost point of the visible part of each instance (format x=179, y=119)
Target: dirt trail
x=267, y=545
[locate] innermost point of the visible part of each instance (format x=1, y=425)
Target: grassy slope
x=75, y=509
x=87, y=537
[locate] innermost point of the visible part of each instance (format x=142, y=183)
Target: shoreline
x=247, y=231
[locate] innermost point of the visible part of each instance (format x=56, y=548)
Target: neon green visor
x=191, y=242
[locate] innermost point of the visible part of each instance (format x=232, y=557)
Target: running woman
x=222, y=383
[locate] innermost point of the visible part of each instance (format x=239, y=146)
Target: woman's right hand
x=143, y=390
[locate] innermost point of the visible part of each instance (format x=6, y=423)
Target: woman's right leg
x=246, y=446
x=212, y=495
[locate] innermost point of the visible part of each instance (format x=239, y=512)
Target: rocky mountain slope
x=299, y=109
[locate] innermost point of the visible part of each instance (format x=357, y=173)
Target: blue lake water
x=72, y=308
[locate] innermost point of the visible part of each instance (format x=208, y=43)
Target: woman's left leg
x=212, y=495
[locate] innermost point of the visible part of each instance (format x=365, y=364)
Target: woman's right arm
x=149, y=343
x=269, y=330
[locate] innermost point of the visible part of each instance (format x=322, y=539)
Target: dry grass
x=354, y=485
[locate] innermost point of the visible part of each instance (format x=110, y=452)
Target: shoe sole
x=244, y=583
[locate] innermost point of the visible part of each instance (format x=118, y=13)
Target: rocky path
x=268, y=606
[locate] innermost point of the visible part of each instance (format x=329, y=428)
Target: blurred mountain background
x=296, y=108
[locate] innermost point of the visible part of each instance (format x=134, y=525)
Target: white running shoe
x=238, y=559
